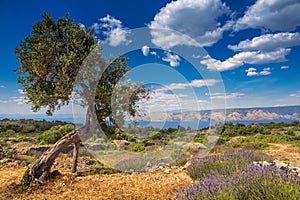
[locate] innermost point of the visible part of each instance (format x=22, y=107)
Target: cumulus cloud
x=113, y=30
x=253, y=72
x=276, y=15
x=173, y=59
x=284, y=67
x=268, y=42
x=192, y=19
x=145, y=50
x=248, y=57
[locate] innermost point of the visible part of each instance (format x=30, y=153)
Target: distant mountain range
x=286, y=113
x=235, y=114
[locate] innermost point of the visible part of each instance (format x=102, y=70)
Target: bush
x=156, y=136
x=250, y=182
x=137, y=148
x=10, y=132
x=200, y=138
x=28, y=129
x=223, y=165
x=54, y=134
x=290, y=133
x=21, y=139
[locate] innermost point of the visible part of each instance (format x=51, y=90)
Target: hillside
x=96, y=181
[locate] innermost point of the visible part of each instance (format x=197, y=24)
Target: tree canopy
x=49, y=60
x=62, y=55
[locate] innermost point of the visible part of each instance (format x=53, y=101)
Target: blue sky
x=250, y=48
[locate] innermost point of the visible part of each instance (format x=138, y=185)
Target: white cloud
x=268, y=42
x=113, y=30
x=253, y=72
x=154, y=53
x=145, y=50
x=173, y=59
x=20, y=91
x=193, y=83
x=177, y=96
x=19, y=100
x=225, y=95
x=2, y=86
x=276, y=15
x=284, y=67
x=248, y=57
x=295, y=95
x=196, y=56
x=196, y=19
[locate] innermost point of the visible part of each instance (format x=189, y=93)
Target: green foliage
x=290, y=133
x=231, y=130
x=10, y=132
x=116, y=98
x=49, y=60
x=261, y=142
x=121, y=135
x=156, y=136
x=200, y=138
x=28, y=129
x=26, y=125
x=137, y=148
x=21, y=139
x=54, y=134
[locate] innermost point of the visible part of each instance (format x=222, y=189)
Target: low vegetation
x=234, y=176
x=227, y=173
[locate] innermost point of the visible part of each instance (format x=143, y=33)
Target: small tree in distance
x=49, y=65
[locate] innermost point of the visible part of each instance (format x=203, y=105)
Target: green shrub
x=156, y=136
x=200, y=138
x=54, y=134
x=28, y=129
x=137, y=148
x=121, y=135
x=21, y=139
x=290, y=133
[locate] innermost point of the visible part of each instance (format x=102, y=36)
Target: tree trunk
x=40, y=170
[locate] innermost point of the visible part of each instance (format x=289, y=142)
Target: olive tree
x=50, y=59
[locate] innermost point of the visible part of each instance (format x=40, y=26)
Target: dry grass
x=155, y=185
x=285, y=152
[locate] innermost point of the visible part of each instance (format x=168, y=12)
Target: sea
x=195, y=125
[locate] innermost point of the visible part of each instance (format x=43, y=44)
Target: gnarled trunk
x=40, y=170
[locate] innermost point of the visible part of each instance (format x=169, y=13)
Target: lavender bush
x=252, y=182
x=223, y=165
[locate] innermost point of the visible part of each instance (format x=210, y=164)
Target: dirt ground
x=159, y=185
x=285, y=152
x=156, y=185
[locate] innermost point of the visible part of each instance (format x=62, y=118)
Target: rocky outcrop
x=283, y=166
